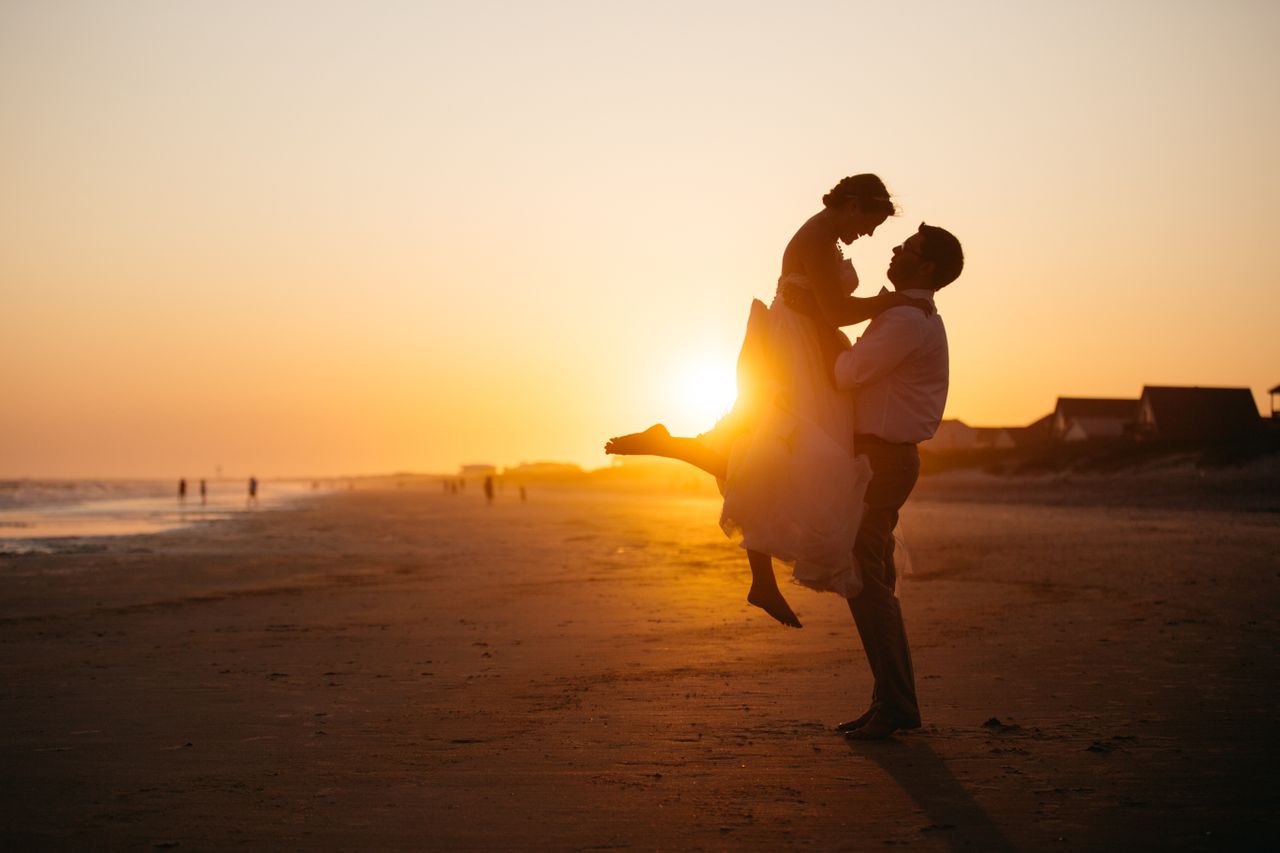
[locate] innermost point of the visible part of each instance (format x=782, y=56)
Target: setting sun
x=702, y=391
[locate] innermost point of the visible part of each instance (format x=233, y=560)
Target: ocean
x=43, y=516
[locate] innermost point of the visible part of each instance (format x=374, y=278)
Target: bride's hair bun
x=868, y=190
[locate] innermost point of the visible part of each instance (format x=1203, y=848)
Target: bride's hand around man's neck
x=898, y=300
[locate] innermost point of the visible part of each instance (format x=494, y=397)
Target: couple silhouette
x=819, y=453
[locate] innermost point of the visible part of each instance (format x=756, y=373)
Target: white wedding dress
x=794, y=488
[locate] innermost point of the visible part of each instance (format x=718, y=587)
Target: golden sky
x=321, y=238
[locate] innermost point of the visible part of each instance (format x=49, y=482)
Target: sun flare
x=702, y=390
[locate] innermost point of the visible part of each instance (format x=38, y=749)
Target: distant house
x=1033, y=434
x=1196, y=414
x=543, y=470
x=473, y=472
x=1077, y=419
x=997, y=438
x=952, y=434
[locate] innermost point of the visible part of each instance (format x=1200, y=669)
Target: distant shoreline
x=45, y=516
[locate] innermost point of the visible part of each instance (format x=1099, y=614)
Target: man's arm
x=878, y=352
x=826, y=274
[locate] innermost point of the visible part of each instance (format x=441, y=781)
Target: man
x=898, y=371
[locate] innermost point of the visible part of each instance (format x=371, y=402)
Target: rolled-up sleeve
x=889, y=339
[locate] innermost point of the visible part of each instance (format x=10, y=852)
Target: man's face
x=908, y=268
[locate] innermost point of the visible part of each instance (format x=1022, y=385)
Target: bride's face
x=858, y=223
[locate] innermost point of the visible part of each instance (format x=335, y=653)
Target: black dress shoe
x=854, y=725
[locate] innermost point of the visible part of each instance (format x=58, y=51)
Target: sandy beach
x=406, y=669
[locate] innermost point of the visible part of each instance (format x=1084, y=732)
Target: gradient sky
x=321, y=238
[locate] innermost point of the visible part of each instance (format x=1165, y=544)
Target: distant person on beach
x=488, y=489
x=523, y=496
x=253, y=491
x=204, y=492
x=182, y=489
x=784, y=455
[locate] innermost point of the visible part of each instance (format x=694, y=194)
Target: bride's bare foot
x=649, y=442
x=772, y=602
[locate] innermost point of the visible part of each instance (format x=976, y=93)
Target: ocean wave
x=26, y=494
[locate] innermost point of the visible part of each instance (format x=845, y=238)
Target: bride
x=784, y=456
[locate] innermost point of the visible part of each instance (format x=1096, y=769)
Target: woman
x=784, y=456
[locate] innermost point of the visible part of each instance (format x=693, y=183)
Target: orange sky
x=315, y=238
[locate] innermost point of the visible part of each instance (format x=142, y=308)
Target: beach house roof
x=955, y=434
x=1196, y=414
x=994, y=437
x=952, y=434
x=1037, y=432
x=1088, y=418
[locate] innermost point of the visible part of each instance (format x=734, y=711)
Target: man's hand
x=800, y=299
x=897, y=300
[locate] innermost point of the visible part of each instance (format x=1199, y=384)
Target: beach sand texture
x=409, y=669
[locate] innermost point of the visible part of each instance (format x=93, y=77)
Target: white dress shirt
x=898, y=371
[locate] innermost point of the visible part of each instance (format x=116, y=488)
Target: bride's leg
x=764, y=591
x=656, y=441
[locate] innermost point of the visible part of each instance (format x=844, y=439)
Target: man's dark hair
x=941, y=248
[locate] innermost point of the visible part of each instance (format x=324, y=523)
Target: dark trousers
x=876, y=610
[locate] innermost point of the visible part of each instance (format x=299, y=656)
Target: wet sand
x=408, y=669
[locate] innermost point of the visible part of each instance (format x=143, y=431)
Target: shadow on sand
x=952, y=812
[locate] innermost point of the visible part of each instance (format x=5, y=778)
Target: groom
x=898, y=371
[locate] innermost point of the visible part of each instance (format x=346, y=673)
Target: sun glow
x=702, y=391
x=438, y=234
